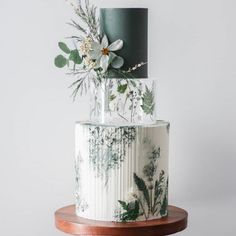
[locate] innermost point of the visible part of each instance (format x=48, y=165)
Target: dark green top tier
x=130, y=25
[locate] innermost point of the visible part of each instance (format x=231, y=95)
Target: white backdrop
x=193, y=55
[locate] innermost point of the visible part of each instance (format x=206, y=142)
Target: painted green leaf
x=143, y=188
x=133, y=83
x=123, y=204
x=168, y=128
x=164, y=204
x=60, y=61
x=75, y=57
x=133, y=208
x=148, y=102
x=161, y=176
x=122, y=88
x=158, y=189
x=112, y=97
x=64, y=47
x=131, y=211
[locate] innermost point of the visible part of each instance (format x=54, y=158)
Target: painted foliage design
x=151, y=197
x=105, y=153
x=129, y=99
x=82, y=204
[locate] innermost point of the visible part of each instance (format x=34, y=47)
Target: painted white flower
x=131, y=196
x=104, y=54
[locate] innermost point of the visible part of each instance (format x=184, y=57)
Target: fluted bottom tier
x=122, y=171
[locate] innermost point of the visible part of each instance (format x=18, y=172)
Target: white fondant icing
x=107, y=156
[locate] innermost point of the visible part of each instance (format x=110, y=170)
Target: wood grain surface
x=68, y=222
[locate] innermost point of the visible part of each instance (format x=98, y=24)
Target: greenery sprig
x=70, y=56
x=89, y=17
x=93, y=58
x=152, y=191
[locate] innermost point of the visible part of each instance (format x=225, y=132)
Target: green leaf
x=143, y=188
x=136, y=206
x=75, y=57
x=133, y=209
x=158, y=189
x=164, y=204
x=133, y=83
x=148, y=102
x=60, y=61
x=168, y=128
x=123, y=204
x=131, y=212
x=157, y=192
x=64, y=47
x=122, y=88
x=112, y=97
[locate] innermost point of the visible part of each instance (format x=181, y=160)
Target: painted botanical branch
x=130, y=211
x=82, y=204
x=93, y=57
x=104, y=151
x=164, y=205
x=153, y=193
x=158, y=191
x=148, y=102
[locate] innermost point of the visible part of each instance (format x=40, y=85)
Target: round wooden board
x=67, y=221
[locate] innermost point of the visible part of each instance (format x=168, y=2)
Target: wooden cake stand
x=67, y=221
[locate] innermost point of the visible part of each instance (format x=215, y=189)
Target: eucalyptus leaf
x=75, y=57
x=60, y=61
x=64, y=47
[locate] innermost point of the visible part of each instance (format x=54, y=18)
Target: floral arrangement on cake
x=94, y=56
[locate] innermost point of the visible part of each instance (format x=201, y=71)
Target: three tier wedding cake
x=122, y=151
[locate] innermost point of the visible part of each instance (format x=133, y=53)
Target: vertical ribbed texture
x=100, y=192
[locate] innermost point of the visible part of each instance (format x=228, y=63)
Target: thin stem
x=132, y=108
x=142, y=209
x=123, y=117
x=126, y=99
x=150, y=201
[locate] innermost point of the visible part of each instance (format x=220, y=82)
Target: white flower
x=89, y=63
x=86, y=46
x=131, y=196
x=104, y=54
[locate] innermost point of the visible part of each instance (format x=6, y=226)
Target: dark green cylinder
x=130, y=25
